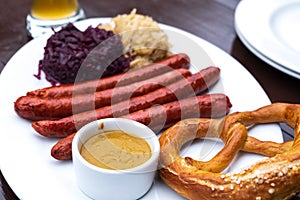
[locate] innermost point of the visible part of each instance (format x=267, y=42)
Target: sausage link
x=191, y=86
x=175, y=61
x=62, y=150
x=37, y=108
x=160, y=117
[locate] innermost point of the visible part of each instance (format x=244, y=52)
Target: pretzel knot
x=275, y=177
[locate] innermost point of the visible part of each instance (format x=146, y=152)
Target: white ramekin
x=99, y=183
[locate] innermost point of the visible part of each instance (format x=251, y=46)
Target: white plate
x=25, y=159
x=272, y=28
x=265, y=59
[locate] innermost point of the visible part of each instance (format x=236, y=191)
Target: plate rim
x=264, y=58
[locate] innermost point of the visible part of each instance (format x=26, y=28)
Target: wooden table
x=212, y=20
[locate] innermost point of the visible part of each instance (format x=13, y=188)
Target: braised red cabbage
x=72, y=55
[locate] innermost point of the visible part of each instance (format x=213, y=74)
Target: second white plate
x=271, y=28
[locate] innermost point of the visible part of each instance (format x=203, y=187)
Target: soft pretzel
x=275, y=177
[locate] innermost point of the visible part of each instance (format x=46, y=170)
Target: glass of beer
x=48, y=14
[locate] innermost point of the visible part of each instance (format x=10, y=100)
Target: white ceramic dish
x=127, y=184
x=25, y=159
x=272, y=29
x=264, y=58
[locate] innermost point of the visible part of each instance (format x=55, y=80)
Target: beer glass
x=48, y=14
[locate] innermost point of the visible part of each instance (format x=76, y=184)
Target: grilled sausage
x=188, y=87
x=37, y=108
x=62, y=150
x=162, y=116
x=159, y=117
x=175, y=61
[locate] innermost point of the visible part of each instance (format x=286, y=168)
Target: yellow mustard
x=115, y=150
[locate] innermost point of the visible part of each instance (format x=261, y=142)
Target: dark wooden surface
x=212, y=20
